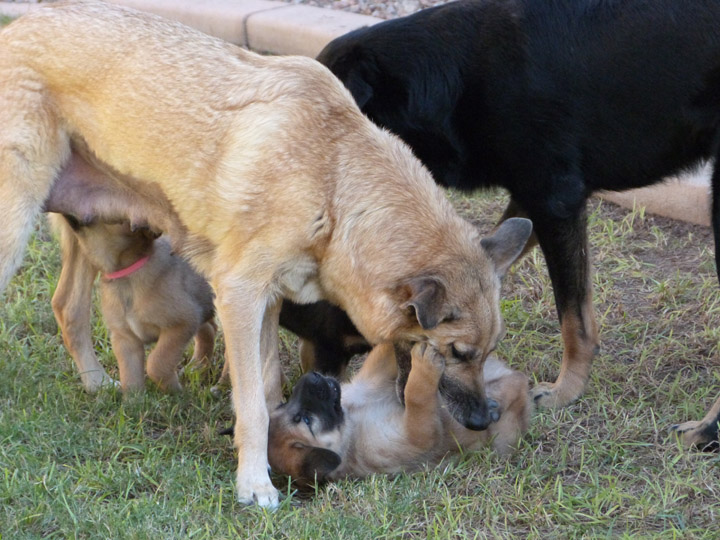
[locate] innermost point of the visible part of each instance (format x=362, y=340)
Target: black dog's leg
x=703, y=434
x=515, y=210
x=564, y=243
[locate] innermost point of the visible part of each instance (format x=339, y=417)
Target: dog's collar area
x=134, y=267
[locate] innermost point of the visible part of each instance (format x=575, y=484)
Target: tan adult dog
x=147, y=295
x=266, y=175
x=326, y=431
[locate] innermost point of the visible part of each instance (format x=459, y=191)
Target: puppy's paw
x=426, y=357
x=256, y=490
x=701, y=435
x=169, y=383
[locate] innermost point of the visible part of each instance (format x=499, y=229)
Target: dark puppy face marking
x=305, y=431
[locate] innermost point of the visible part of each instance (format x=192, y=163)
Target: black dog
x=552, y=100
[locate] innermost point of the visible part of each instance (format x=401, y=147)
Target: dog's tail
x=33, y=147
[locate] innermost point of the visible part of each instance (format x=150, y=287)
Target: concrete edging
x=282, y=28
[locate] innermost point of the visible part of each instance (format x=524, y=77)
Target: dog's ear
x=427, y=296
x=318, y=463
x=507, y=243
x=360, y=89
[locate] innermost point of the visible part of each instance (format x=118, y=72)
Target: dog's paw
x=426, y=357
x=95, y=380
x=259, y=491
x=558, y=394
x=701, y=435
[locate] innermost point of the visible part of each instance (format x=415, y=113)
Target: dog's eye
x=459, y=355
x=302, y=417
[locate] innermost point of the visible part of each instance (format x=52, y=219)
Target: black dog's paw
x=702, y=436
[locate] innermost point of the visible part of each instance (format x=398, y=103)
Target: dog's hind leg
x=204, y=345
x=163, y=361
x=703, y=434
x=33, y=147
x=72, y=305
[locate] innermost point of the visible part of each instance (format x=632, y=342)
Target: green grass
x=79, y=466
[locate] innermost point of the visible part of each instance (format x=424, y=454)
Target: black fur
x=550, y=99
x=328, y=328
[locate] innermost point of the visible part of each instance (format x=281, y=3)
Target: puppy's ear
x=318, y=463
x=361, y=90
x=427, y=297
x=507, y=243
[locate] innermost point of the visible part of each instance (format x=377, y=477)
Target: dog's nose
x=482, y=416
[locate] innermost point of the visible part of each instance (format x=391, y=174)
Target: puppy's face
x=306, y=433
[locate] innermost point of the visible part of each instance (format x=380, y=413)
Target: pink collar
x=137, y=265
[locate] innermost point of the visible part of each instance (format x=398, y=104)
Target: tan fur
x=281, y=187
x=165, y=302
x=379, y=435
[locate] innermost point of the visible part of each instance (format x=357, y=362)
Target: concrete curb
x=282, y=28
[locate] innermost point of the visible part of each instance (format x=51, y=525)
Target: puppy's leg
x=72, y=305
x=422, y=420
x=163, y=361
x=204, y=345
x=702, y=434
x=306, y=349
x=241, y=306
x=33, y=147
x=130, y=354
x=564, y=243
x=511, y=391
x=379, y=364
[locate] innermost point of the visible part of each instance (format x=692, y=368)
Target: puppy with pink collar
x=147, y=293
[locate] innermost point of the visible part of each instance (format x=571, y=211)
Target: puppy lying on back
x=147, y=295
x=327, y=431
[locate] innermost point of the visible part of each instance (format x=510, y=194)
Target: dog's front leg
x=272, y=370
x=564, y=244
x=72, y=305
x=130, y=354
x=163, y=361
x=422, y=406
x=241, y=307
